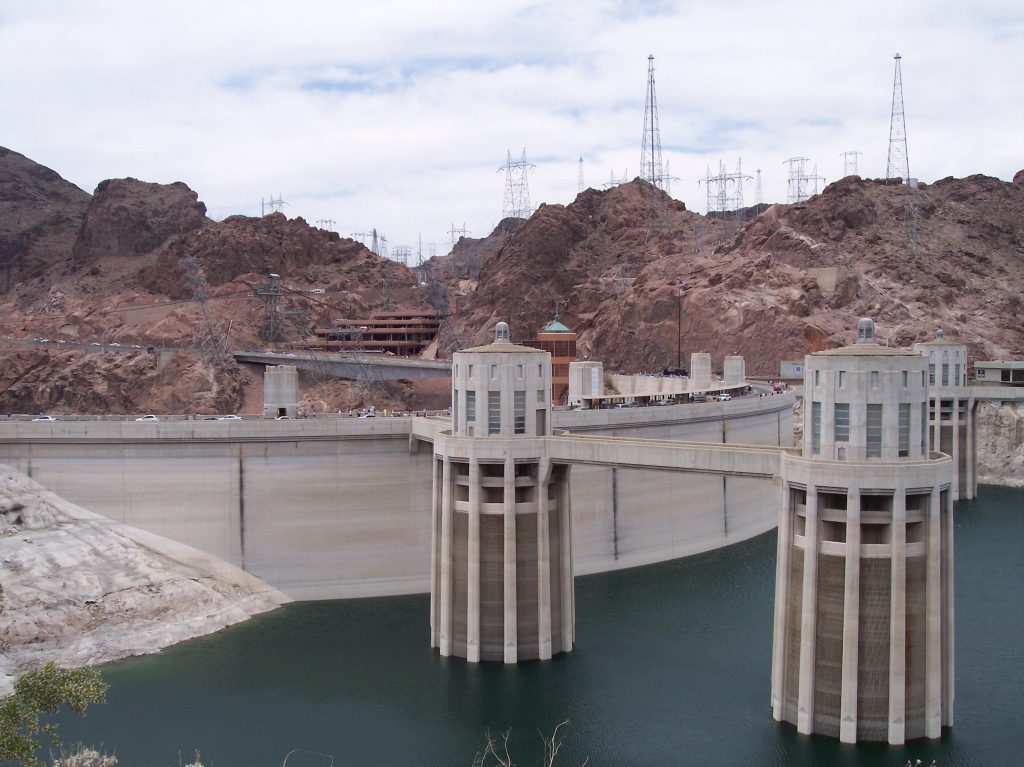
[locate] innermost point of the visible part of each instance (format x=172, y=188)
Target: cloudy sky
x=397, y=114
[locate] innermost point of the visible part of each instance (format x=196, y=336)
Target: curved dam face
x=336, y=508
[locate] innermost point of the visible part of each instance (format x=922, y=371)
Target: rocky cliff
x=636, y=274
x=40, y=214
x=80, y=589
x=129, y=218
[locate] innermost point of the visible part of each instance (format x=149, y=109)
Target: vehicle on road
x=283, y=418
x=724, y=397
x=44, y=418
x=149, y=417
x=230, y=418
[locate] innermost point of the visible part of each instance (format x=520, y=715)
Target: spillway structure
x=863, y=629
x=501, y=559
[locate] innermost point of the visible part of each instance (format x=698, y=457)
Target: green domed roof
x=556, y=327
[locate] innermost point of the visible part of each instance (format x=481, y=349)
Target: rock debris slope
x=80, y=589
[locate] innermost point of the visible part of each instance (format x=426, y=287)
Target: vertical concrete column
x=972, y=434
x=473, y=566
x=447, y=509
x=435, y=576
x=784, y=548
x=511, y=627
x=933, y=622
x=851, y=620
x=955, y=449
x=948, y=633
x=565, y=577
x=898, y=620
x=543, y=560
x=808, y=617
x=937, y=426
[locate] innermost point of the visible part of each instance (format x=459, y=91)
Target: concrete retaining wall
x=337, y=508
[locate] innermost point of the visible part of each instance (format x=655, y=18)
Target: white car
x=230, y=418
x=44, y=418
x=283, y=418
x=724, y=397
x=147, y=418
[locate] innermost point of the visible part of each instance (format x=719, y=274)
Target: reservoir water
x=672, y=667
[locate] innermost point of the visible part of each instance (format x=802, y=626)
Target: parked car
x=283, y=418
x=147, y=418
x=230, y=418
x=724, y=397
x=44, y=418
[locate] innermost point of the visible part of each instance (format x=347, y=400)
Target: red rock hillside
x=792, y=280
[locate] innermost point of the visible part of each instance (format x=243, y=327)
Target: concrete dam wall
x=338, y=508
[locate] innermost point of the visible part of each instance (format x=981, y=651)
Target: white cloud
x=397, y=116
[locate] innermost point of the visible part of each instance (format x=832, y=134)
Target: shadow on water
x=672, y=666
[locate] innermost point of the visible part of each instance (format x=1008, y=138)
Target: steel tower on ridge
x=650, y=155
x=898, y=165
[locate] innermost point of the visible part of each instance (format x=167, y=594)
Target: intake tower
x=501, y=562
x=863, y=636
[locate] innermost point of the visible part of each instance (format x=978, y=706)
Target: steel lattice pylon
x=898, y=165
x=650, y=153
x=517, y=188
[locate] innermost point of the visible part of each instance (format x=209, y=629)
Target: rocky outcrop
x=128, y=218
x=80, y=589
x=241, y=246
x=40, y=214
x=1000, y=443
x=41, y=380
x=791, y=281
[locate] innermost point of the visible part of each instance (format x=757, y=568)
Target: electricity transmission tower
x=758, y=193
x=270, y=291
x=898, y=165
x=850, y=162
x=650, y=154
x=458, y=233
x=326, y=223
x=579, y=185
x=212, y=341
x=272, y=205
x=718, y=188
x=612, y=181
x=517, y=187
x=798, y=186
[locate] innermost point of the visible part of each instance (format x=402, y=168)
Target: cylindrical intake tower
x=863, y=638
x=501, y=564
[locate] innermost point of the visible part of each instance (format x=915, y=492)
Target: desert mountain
x=638, y=276
x=791, y=280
